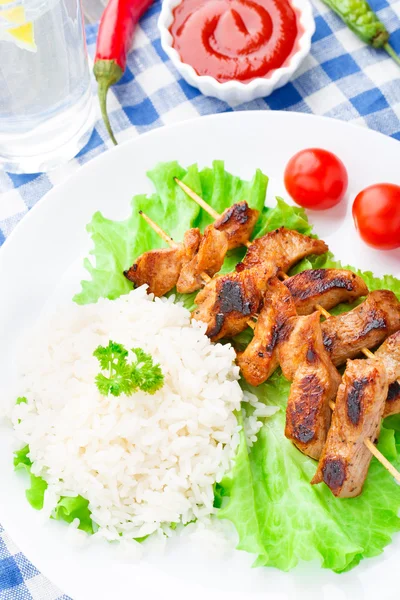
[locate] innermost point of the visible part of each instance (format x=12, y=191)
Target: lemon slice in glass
x=21, y=31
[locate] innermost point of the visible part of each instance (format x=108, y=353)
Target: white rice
x=141, y=461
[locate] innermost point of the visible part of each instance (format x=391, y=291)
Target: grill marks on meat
x=208, y=259
x=297, y=340
x=354, y=397
x=305, y=360
x=227, y=302
x=389, y=354
x=160, y=268
x=392, y=406
x=363, y=327
x=327, y=287
x=357, y=416
x=182, y=265
x=260, y=359
x=231, y=230
x=237, y=222
x=370, y=390
x=281, y=248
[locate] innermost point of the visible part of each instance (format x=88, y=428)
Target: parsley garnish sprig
x=123, y=377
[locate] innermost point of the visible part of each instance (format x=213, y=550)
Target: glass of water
x=46, y=110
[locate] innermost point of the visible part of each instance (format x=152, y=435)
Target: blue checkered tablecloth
x=341, y=78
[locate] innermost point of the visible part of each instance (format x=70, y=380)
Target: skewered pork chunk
x=326, y=287
x=282, y=248
x=260, y=358
x=295, y=338
x=315, y=384
x=360, y=403
x=392, y=406
x=160, y=268
x=227, y=302
x=389, y=354
x=363, y=327
x=237, y=222
x=208, y=259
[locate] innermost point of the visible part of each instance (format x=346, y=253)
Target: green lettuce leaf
x=67, y=508
x=21, y=459
x=292, y=217
x=116, y=244
x=220, y=189
x=77, y=507
x=35, y=493
x=282, y=519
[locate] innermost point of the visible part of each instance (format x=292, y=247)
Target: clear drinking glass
x=46, y=110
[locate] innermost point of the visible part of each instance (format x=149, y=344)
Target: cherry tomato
x=376, y=214
x=316, y=178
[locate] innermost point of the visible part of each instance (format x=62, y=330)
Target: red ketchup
x=235, y=39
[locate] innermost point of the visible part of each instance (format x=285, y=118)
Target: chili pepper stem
x=107, y=72
x=392, y=53
x=103, y=87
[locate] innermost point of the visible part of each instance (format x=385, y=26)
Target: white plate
x=40, y=263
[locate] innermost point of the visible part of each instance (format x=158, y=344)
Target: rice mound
x=143, y=462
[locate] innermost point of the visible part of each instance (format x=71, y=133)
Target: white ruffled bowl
x=238, y=92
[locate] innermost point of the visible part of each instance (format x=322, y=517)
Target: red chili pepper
x=114, y=40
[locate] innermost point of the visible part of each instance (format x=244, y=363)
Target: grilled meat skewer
x=227, y=302
x=371, y=448
x=160, y=269
x=282, y=248
x=365, y=326
x=231, y=230
x=360, y=403
x=344, y=462
x=315, y=384
x=260, y=359
x=325, y=287
x=287, y=252
x=292, y=348
x=208, y=259
x=237, y=222
x=183, y=264
x=389, y=354
x=392, y=406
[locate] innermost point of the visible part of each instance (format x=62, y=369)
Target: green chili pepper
x=361, y=19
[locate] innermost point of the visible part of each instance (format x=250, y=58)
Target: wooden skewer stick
x=209, y=209
x=197, y=199
x=382, y=459
x=378, y=455
x=325, y=313
x=371, y=447
x=160, y=232
x=164, y=236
